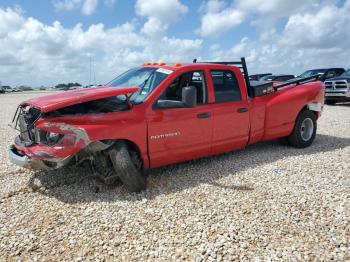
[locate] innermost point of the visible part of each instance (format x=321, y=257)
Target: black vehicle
x=277, y=78
x=257, y=77
x=7, y=88
x=323, y=73
x=338, y=89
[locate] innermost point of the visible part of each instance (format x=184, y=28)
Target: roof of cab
x=177, y=66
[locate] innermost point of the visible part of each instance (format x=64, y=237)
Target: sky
x=46, y=42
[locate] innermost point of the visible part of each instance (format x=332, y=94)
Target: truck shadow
x=75, y=185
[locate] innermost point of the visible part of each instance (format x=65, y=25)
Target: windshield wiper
x=143, y=85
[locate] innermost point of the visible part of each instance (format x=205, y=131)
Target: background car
x=257, y=77
x=277, y=78
x=338, y=89
x=324, y=73
x=7, y=88
x=16, y=89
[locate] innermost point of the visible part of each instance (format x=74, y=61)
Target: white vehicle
x=338, y=89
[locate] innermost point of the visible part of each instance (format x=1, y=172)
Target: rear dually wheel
x=304, y=131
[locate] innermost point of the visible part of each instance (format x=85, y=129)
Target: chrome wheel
x=307, y=129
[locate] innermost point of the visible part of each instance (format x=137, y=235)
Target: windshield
x=346, y=73
x=146, y=78
x=313, y=72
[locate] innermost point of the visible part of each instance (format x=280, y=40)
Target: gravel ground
x=267, y=202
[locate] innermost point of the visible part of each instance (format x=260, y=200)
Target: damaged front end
x=43, y=148
x=46, y=141
x=54, y=129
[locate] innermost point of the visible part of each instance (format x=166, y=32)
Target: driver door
x=180, y=134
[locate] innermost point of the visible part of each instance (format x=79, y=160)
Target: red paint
x=187, y=137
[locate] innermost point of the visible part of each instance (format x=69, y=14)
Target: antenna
x=92, y=70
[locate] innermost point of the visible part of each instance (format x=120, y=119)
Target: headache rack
x=259, y=88
x=240, y=64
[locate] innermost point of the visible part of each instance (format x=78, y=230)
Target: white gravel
x=267, y=202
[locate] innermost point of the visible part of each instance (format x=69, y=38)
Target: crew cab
x=159, y=114
x=338, y=89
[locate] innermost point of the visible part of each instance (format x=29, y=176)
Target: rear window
x=226, y=86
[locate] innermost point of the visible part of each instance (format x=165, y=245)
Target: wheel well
x=133, y=147
x=306, y=107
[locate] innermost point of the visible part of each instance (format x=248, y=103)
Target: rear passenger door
x=231, y=116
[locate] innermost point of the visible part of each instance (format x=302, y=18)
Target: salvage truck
x=159, y=114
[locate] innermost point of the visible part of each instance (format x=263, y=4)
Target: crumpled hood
x=67, y=98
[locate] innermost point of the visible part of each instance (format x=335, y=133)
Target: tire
x=132, y=176
x=304, y=131
x=283, y=141
x=330, y=102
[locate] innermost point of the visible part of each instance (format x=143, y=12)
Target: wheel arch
x=133, y=146
x=314, y=107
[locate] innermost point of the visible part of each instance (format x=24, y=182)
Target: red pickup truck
x=158, y=114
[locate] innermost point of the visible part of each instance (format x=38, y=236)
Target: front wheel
x=304, y=131
x=128, y=166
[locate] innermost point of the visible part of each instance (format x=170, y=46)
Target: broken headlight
x=52, y=138
x=47, y=138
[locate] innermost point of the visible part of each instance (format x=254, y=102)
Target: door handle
x=242, y=110
x=203, y=115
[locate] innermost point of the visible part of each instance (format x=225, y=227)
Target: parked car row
x=337, y=82
x=8, y=89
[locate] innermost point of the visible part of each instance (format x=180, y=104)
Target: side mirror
x=189, y=96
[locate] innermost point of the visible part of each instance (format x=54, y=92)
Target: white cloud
x=213, y=6
x=66, y=5
x=10, y=19
x=160, y=14
x=279, y=7
x=153, y=27
x=310, y=39
x=321, y=29
x=89, y=7
x=219, y=19
x=165, y=11
x=35, y=53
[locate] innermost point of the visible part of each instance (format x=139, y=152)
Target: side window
x=226, y=86
x=193, y=78
x=339, y=72
x=331, y=73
